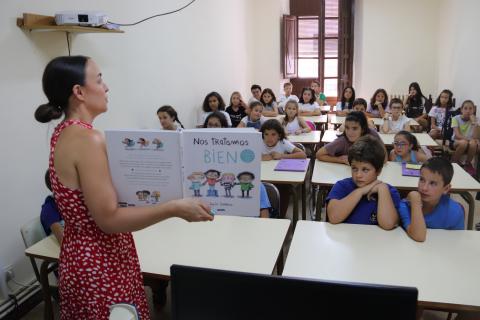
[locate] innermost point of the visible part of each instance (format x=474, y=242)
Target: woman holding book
x=98, y=260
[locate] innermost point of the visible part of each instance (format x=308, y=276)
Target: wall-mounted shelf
x=32, y=21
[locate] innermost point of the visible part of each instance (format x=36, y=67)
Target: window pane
x=307, y=48
x=307, y=68
x=308, y=28
x=331, y=28
x=330, y=87
x=331, y=8
x=331, y=67
x=331, y=48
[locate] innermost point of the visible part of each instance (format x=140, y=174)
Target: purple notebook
x=409, y=171
x=297, y=165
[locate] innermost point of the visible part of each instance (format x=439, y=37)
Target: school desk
x=444, y=268
x=312, y=137
x=229, y=243
x=330, y=135
x=295, y=179
x=338, y=121
x=326, y=174
x=423, y=139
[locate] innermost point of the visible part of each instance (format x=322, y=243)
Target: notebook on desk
x=411, y=169
x=296, y=165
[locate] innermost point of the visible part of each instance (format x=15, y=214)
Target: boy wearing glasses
x=431, y=206
x=396, y=121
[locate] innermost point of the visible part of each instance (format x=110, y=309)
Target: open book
x=221, y=167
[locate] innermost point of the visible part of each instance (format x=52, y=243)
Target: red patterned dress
x=96, y=269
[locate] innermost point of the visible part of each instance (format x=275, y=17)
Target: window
x=324, y=44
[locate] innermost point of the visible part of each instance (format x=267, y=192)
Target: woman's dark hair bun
x=47, y=112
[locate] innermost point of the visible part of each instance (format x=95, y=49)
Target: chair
x=300, y=146
x=32, y=232
x=311, y=125
x=274, y=198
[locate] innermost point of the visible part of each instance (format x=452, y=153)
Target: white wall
x=458, y=49
x=395, y=44
x=175, y=59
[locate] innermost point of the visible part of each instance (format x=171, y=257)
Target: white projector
x=81, y=18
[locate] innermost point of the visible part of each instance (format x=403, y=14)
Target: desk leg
x=48, y=311
x=295, y=205
x=304, y=202
x=471, y=208
x=318, y=209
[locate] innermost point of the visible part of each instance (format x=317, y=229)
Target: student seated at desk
x=236, y=109
x=344, y=106
x=215, y=120
x=378, y=104
x=292, y=122
x=269, y=102
x=276, y=146
x=363, y=199
x=465, y=135
x=431, y=206
x=169, y=118
x=308, y=105
x=287, y=96
x=254, y=119
x=214, y=102
x=395, y=121
x=355, y=127
x=50, y=216
x=406, y=149
x=360, y=105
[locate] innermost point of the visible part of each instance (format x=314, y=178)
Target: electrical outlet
x=9, y=274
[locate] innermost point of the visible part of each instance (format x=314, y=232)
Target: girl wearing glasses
x=406, y=149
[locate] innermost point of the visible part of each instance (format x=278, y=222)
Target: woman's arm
x=57, y=230
x=101, y=198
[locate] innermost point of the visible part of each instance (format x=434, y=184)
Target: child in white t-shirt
x=275, y=143
x=396, y=121
x=308, y=105
x=284, y=98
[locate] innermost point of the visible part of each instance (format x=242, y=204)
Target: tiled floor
x=37, y=312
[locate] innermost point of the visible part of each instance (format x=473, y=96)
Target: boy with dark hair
x=256, y=91
x=363, y=199
x=431, y=206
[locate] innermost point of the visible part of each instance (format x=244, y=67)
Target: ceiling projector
x=81, y=18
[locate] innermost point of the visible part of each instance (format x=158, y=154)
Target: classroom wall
x=458, y=49
x=174, y=59
x=395, y=43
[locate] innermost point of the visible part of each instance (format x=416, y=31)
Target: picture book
x=221, y=167
x=296, y=165
x=409, y=169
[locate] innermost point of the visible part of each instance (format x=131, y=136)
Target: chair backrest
x=310, y=124
x=273, y=196
x=300, y=146
x=32, y=232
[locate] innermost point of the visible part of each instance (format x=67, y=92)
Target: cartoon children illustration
x=143, y=142
x=245, y=178
x=212, y=177
x=158, y=143
x=196, y=179
x=146, y=195
x=155, y=195
x=128, y=142
x=140, y=195
x=227, y=181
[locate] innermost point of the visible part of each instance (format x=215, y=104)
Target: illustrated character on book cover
x=128, y=142
x=227, y=181
x=245, y=179
x=196, y=179
x=212, y=177
x=143, y=142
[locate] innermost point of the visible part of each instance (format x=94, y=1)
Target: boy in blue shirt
x=363, y=199
x=431, y=206
x=50, y=216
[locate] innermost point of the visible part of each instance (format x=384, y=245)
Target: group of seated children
x=364, y=199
